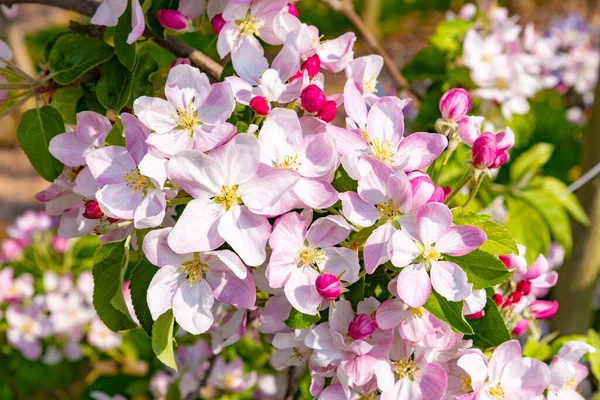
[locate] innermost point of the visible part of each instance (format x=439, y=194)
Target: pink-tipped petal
x=449, y=280
x=376, y=251
x=301, y=290
x=328, y=231
x=414, y=285
x=247, y=233
x=433, y=220
x=189, y=236
x=356, y=210
x=460, y=240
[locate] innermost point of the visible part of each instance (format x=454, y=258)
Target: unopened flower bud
x=485, y=151
x=328, y=286
x=293, y=10
x=543, y=309
x=479, y=314
x=260, y=105
x=501, y=158
x=455, y=104
x=512, y=298
x=92, y=210
x=59, y=244
x=217, y=23
x=313, y=99
x=505, y=260
x=312, y=65
x=361, y=327
x=172, y=19
x=524, y=287
x=521, y=327
x=439, y=194
x=181, y=61
x=327, y=113
x=497, y=298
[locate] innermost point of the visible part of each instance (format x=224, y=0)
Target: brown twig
x=174, y=45
x=292, y=384
x=345, y=7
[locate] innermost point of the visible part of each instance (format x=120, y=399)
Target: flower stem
x=464, y=180
x=473, y=193
x=179, y=200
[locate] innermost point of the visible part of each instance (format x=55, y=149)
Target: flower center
x=187, y=119
x=501, y=83
x=387, y=210
x=249, y=26
x=136, y=181
x=465, y=382
x=570, y=384
x=311, y=256
x=297, y=354
x=228, y=380
x=430, y=254
x=404, y=368
x=486, y=59
x=382, y=150
x=417, y=312
x=369, y=84
x=497, y=392
x=290, y=162
x=228, y=197
x=26, y=328
x=194, y=270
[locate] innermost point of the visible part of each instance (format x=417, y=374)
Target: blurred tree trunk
x=371, y=16
x=577, y=282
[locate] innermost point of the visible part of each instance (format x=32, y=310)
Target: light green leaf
x=462, y=216
x=558, y=190
x=483, y=269
x=499, y=240
x=162, y=339
x=298, y=320
x=530, y=162
x=490, y=330
x=448, y=311
x=115, y=85
x=528, y=227
x=554, y=214
x=38, y=126
x=74, y=55
x=65, y=101
x=593, y=339
x=343, y=183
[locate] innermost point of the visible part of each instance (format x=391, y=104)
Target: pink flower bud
x=312, y=65
x=327, y=113
x=260, y=105
x=479, y=314
x=313, y=99
x=10, y=249
x=513, y=298
x=455, y=104
x=172, y=19
x=181, y=61
x=59, y=244
x=485, y=150
x=521, y=327
x=505, y=260
x=524, y=287
x=217, y=23
x=328, y=286
x=543, y=309
x=293, y=10
x=361, y=327
x=497, y=298
x=439, y=194
x=92, y=210
x=501, y=158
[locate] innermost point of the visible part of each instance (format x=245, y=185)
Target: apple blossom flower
x=566, y=373
x=290, y=349
x=226, y=184
x=301, y=253
x=109, y=12
x=193, y=116
x=418, y=248
x=454, y=104
x=364, y=71
x=15, y=288
x=229, y=327
x=25, y=328
x=231, y=376
x=189, y=283
x=101, y=337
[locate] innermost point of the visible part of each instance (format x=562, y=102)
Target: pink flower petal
x=136, y=134
x=356, y=210
x=301, y=290
x=227, y=287
x=386, y=122
x=157, y=114
x=390, y=313
x=414, y=285
x=238, y=159
x=191, y=306
x=156, y=249
x=418, y=150
x=186, y=86
x=328, y=231
x=151, y=212
x=189, y=236
x=403, y=249
x=196, y=173
x=247, y=233
x=218, y=106
x=318, y=155
x=376, y=251
x=315, y=193
x=372, y=186
x=118, y=201
x=138, y=22
x=354, y=104
x=69, y=149
x=92, y=128
x=267, y=186
x=289, y=233
x=449, y=280
x=109, y=164
x=400, y=191
x=342, y=262
x=433, y=220
x=460, y=240
x=162, y=289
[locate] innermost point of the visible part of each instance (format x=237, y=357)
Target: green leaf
x=142, y=84
x=554, y=214
x=528, y=227
x=483, y=269
x=489, y=331
x=538, y=350
x=499, y=240
x=530, y=162
x=162, y=339
x=126, y=52
x=140, y=280
x=558, y=190
x=114, y=86
x=356, y=293
x=343, y=183
x=174, y=393
x=38, y=126
x=115, y=137
x=594, y=358
x=89, y=101
x=110, y=264
x=449, y=34
x=429, y=63
x=74, y=55
x=152, y=19
x=362, y=235
x=65, y=101
x=298, y=320
x=376, y=285
x=448, y=311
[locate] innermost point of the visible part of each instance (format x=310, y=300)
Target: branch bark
x=347, y=8
x=174, y=45
x=578, y=277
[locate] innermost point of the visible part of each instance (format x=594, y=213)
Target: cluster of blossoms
x=509, y=63
x=55, y=323
x=277, y=222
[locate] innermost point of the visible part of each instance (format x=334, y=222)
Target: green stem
x=439, y=171
x=464, y=180
x=179, y=200
x=473, y=193
x=333, y=211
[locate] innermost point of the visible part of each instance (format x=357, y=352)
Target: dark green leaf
x=376, y=285
x=38, y=126
x=489, y=331
x=140, y=280
x=174, y=393
x=162, y=339
x=115, y=137
x=126, y=52
x=89, y=101
x=110, y=264
x=448, y=311
x=142, y=84
x=356, y=293
x=65, y=101
x=343, y=183
x=114, y=86
x=530, y=162
x=298, y=320
x=74, y=55
x=152, y=19
x=429, y=63
x=483, y=269
x=362, y=235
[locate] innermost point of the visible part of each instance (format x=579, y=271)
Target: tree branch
x=174, y=45
x=345, y=7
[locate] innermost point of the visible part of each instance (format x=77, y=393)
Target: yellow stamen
x=497, y=392
x=369, y=84
x=311, y=256
x=430, y=254
x=466, y=384
x=194, y=270
x=249, y=26
x=417, y=312
x=290, y=162
x=501, y=83
x=188, y=120
x=228, y=197
x=387, y=210
x=382, y=150
x=136, y=181
x=404, y=368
